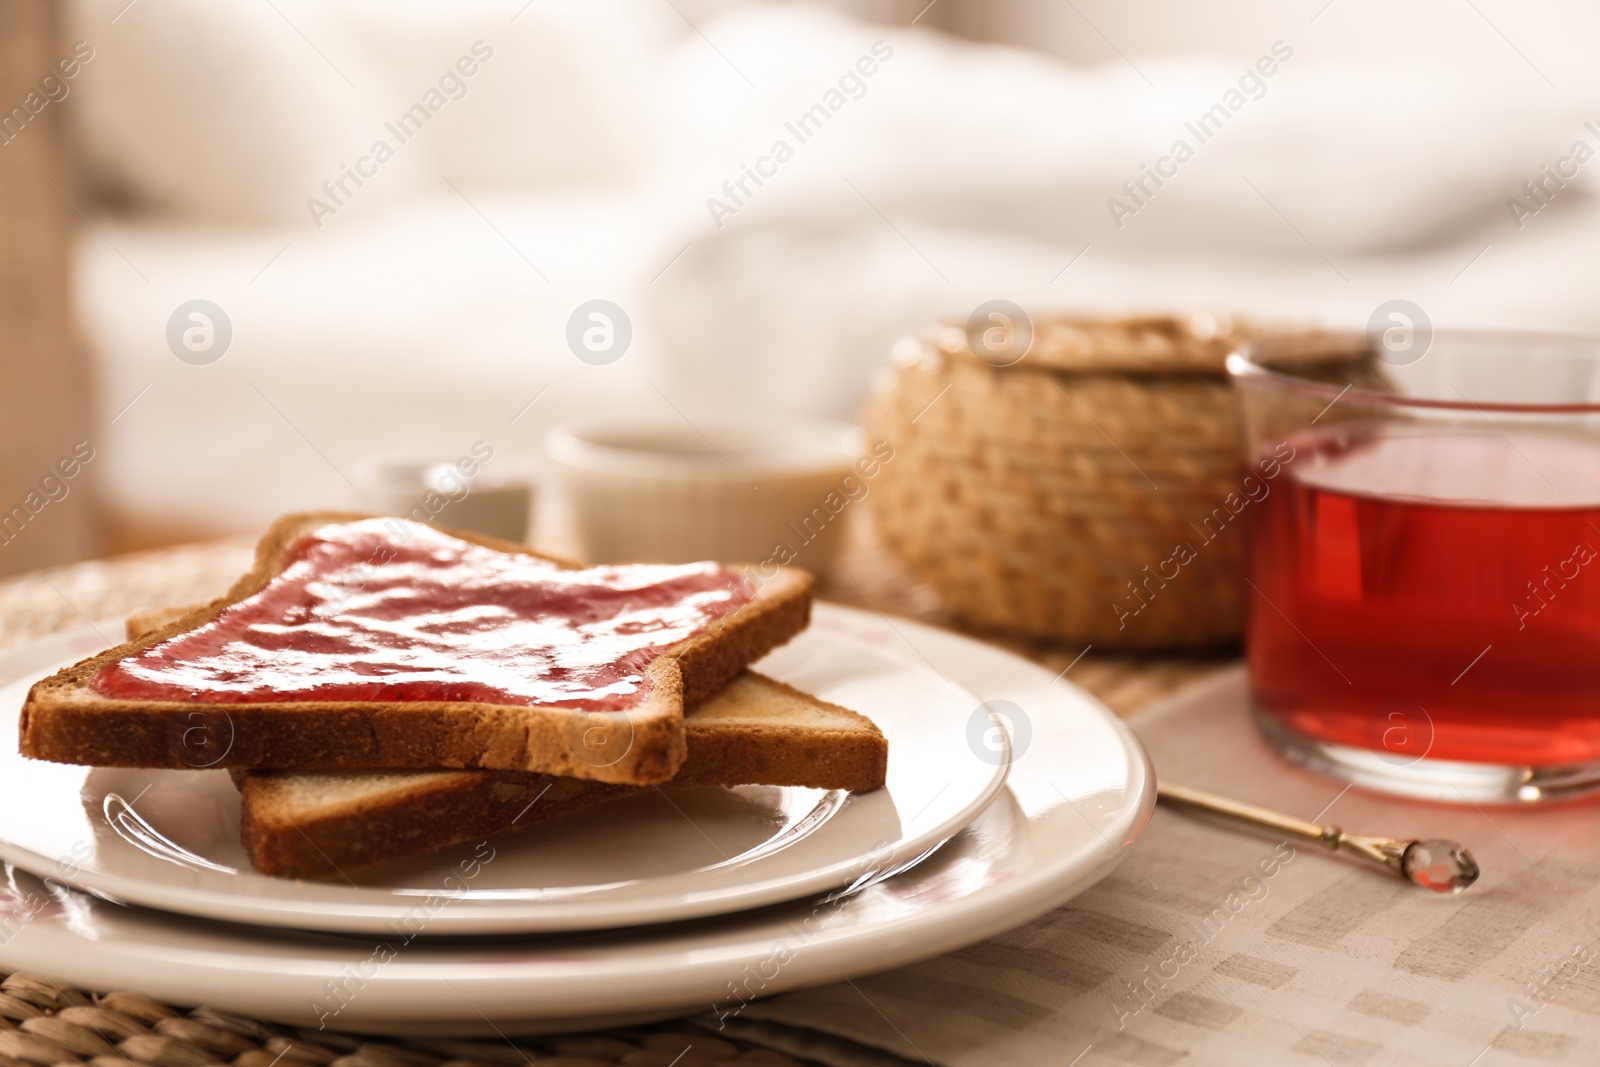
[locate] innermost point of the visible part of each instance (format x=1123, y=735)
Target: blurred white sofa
x=593, y=154
x=427, y=309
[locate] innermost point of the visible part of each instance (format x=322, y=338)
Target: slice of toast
x=755, y=731
x=65, y=719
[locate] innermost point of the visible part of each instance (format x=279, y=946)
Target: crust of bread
x=851, y=755
x=65, y=721
x=438, y=809
x=149, y=620
x=285, y=836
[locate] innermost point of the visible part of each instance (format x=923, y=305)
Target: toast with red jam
x=368, y=643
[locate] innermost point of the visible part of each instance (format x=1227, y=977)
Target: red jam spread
x=384, y=609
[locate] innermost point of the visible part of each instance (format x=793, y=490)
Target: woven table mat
x=43, y=1024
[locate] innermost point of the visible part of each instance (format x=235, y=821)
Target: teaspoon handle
x=1183, y=796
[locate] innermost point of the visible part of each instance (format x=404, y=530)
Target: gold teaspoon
x=1442, y=866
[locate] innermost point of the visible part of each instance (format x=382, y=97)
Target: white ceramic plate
x=1080, y=789
x=170, y=839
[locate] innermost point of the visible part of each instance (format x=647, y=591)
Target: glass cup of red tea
x=1423, y=597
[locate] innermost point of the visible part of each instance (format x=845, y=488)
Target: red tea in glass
x=1423, y=613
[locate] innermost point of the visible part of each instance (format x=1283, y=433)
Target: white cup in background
x=742, y=488
x=479, y=492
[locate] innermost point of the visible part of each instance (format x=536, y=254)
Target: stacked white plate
x=1009, y=792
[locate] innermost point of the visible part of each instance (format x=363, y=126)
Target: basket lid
x=1145, y=345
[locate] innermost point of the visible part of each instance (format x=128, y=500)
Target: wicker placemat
x=44, y=1024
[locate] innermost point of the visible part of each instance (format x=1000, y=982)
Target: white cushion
x=232, y=112
x=1358, y=157
x=566, y=97
x=240, y=112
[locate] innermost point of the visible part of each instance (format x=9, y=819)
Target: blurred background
x=389, y=213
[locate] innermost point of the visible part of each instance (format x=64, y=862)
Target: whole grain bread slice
x=67, y=721
x=755, y=731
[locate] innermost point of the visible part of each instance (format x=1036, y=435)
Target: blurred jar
x=477, y=491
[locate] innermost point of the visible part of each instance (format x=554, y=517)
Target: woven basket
x=1052, y=498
